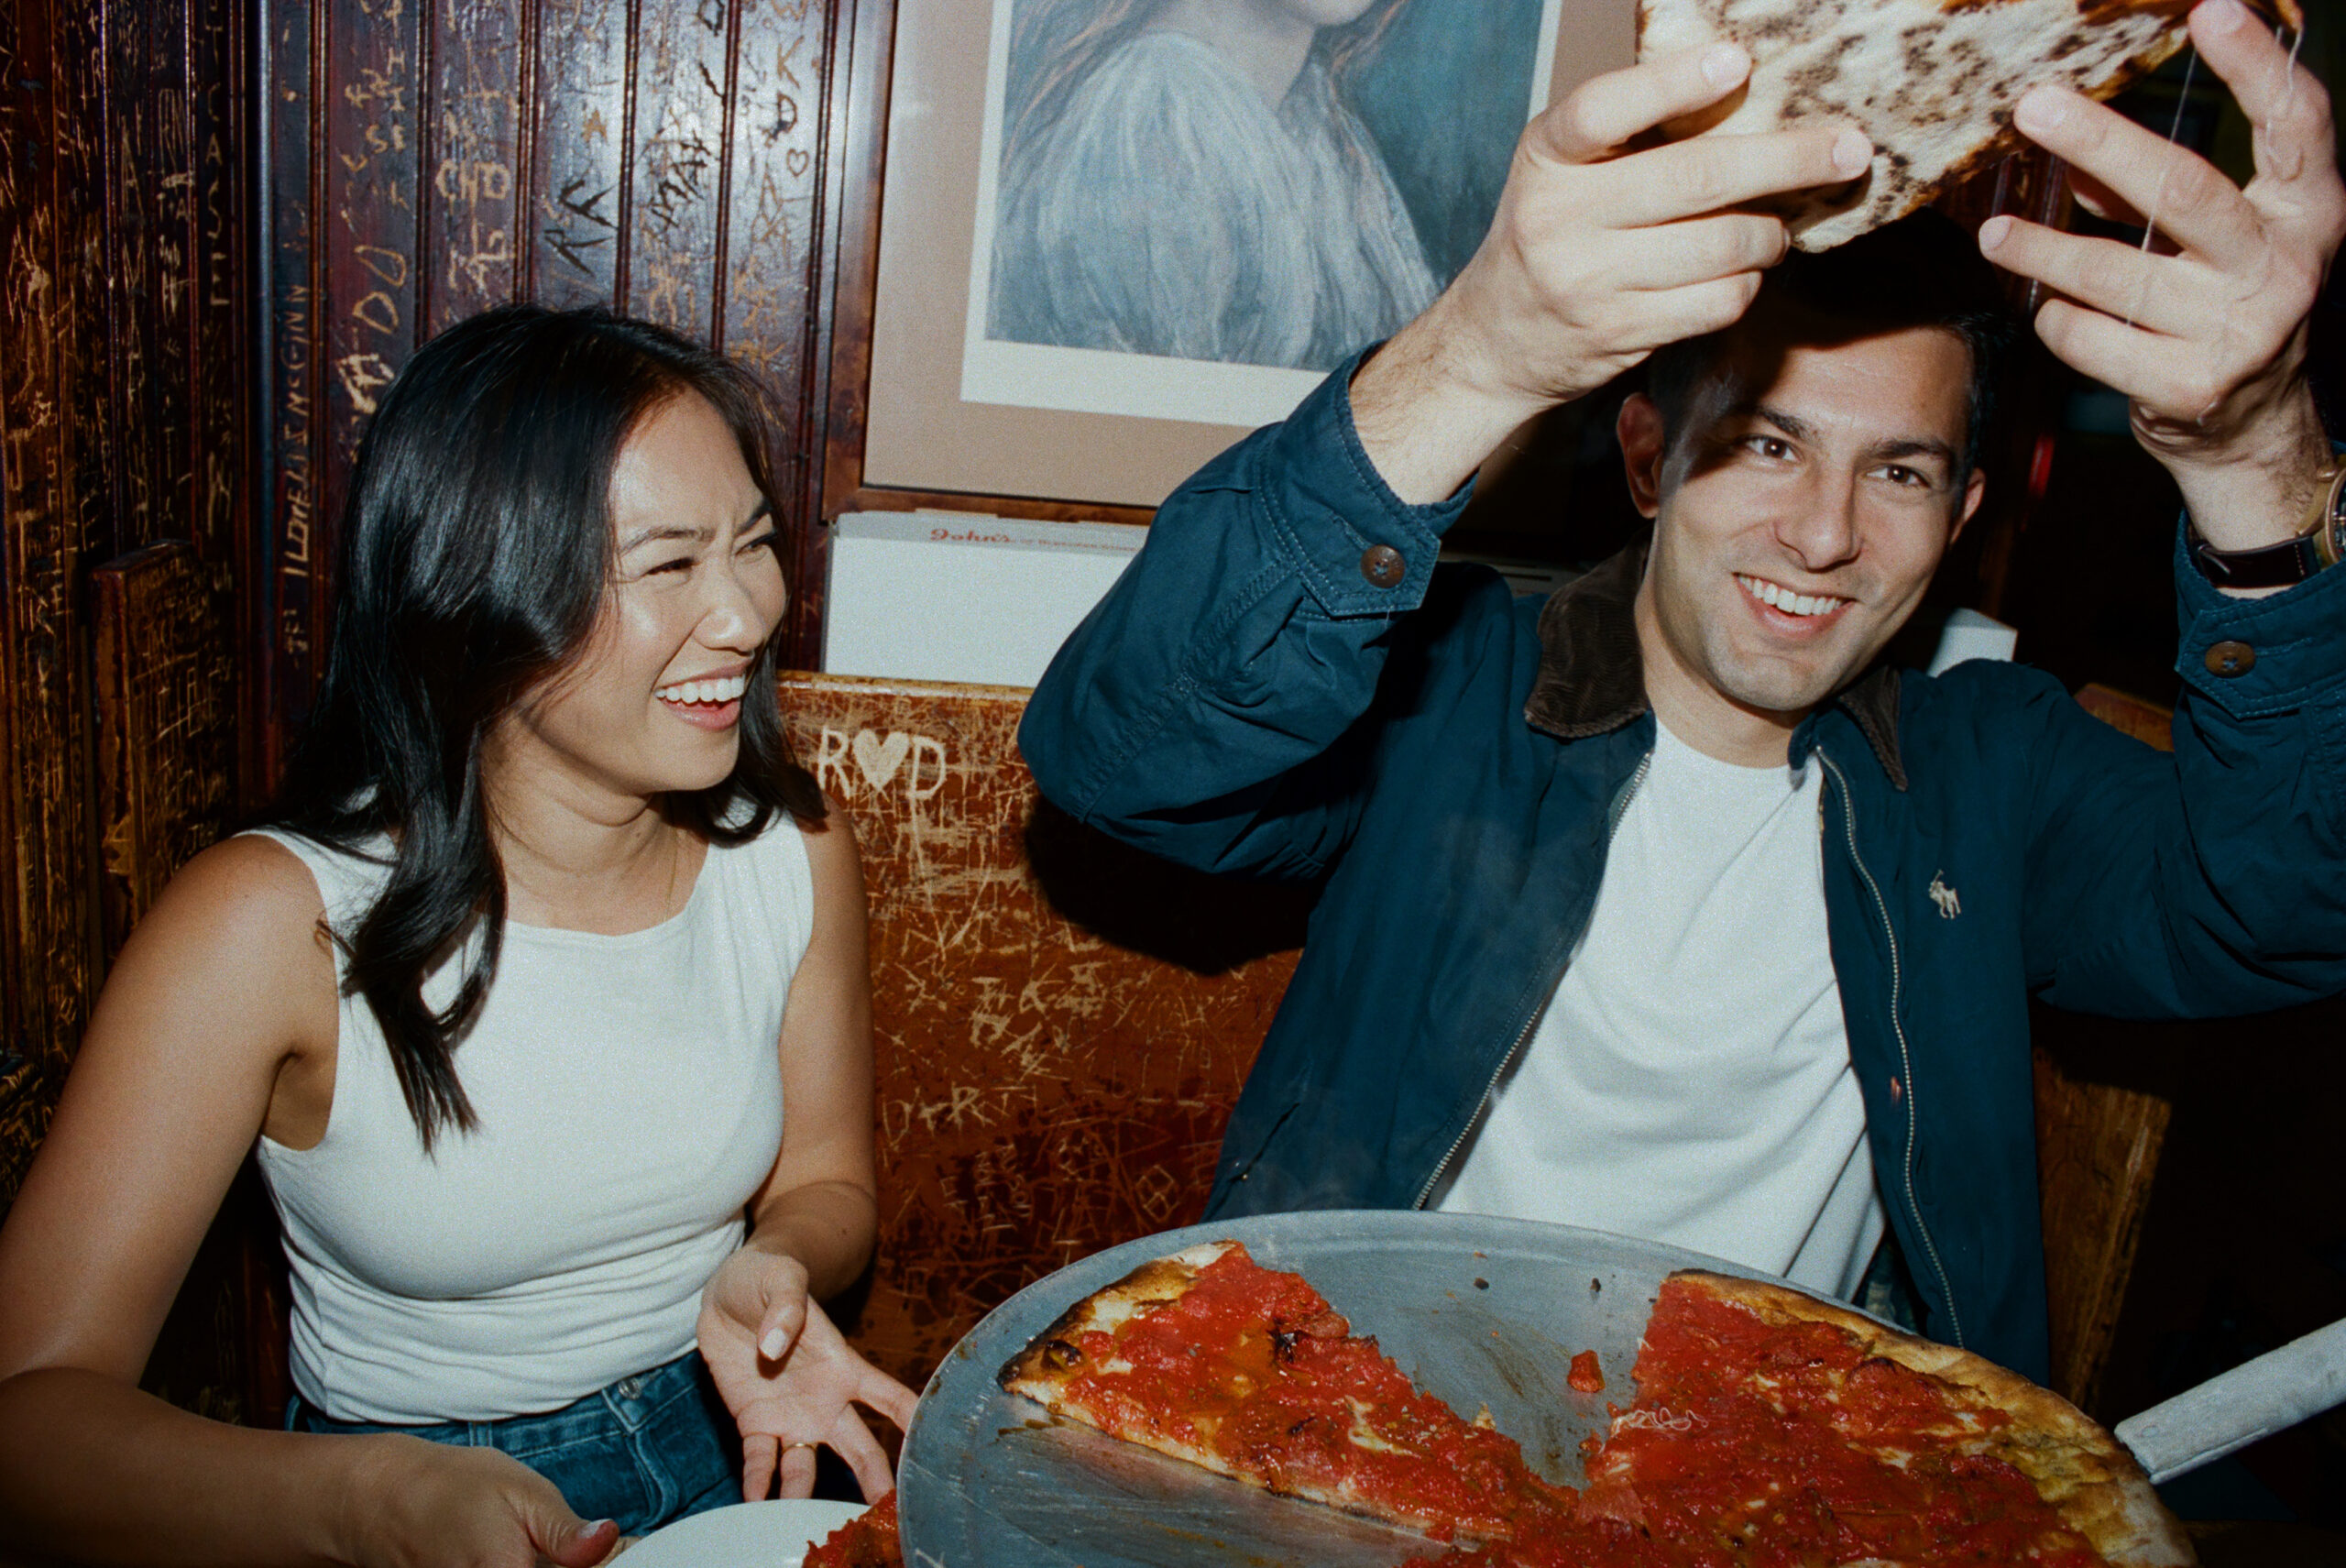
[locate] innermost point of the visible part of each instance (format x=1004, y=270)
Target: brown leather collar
x=1592, y=676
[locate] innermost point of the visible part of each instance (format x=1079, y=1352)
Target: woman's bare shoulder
x=245, y=910
x=251, y=880
x=834, y=857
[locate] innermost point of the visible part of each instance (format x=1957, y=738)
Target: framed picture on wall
x=1114, y=234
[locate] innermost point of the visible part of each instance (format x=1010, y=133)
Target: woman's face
x=653, y=701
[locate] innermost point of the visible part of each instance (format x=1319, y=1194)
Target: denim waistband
x=631, y=1401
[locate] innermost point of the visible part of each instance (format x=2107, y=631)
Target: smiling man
x=1666, y=907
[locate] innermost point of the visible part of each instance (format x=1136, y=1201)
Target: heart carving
x=880, y=758
x=796, y=159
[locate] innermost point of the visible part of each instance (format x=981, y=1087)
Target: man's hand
x=2209, y=342
x=1595, y=258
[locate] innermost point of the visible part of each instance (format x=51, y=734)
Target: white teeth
x=710, y=691
x=1782, y=598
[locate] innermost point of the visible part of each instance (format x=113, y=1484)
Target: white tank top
x=629, y=1092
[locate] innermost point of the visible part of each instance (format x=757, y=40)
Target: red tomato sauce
x=1755, y=1446
x=1253, y=1365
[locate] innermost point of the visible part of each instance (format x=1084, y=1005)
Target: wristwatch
x=2321, y=543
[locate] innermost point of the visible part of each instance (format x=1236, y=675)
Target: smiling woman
x=545, y=932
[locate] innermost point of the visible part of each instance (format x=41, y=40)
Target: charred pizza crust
x=1050, y=1362
x=2075, y=1465
x=1932, y=82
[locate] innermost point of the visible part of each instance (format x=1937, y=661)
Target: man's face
x=1798, y=519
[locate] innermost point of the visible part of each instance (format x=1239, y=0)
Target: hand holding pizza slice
x=2209, y=341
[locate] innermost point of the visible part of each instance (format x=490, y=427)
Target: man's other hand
x=1597, y=257
x=2208, y=342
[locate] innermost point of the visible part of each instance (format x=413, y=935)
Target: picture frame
x=905, y=432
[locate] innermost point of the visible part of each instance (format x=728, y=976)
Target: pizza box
x=1477, y=1311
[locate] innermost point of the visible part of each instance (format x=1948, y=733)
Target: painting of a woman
x=1190, y=178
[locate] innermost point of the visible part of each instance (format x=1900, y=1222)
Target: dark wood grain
x=585, y=54
x=53, y=399
x=472, y=208
x=370, y=233
x=683, y=62
x=126, y=413
x=167, y=721
x=289, y=571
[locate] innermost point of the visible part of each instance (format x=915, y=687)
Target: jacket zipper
x=1522, y=1036
x=1898, y=1027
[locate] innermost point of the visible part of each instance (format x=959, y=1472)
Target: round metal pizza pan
x=1477, y=1311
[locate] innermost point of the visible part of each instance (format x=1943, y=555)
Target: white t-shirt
x=1689, y=1082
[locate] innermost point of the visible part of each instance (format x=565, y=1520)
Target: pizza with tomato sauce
x=1212, y=1358
x=1775, y=1429
x=1770, y=1430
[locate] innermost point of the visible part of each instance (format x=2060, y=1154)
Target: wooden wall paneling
x=220, y=427
x=165, y=693
x=683, y=68
x=287, y=631
x=31, y=472
x=791, y=74
x=474, y=158
x=123, y=272
x=369, y=233
x=774, y=216
x=43, y=341
x=165, y=688
x=855, y=143
x=584, y=79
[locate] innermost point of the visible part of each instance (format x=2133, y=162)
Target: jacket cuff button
x=1381, y=564
x=2229, y=659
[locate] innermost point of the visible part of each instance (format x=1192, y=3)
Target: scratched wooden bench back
x=1044, y=1091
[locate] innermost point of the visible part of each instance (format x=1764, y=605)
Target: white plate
x=772, y=1534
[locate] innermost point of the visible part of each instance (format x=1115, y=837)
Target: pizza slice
x=1776, y=1423
x=867, y=1540
x=1932, y=82
x=1208, y=1358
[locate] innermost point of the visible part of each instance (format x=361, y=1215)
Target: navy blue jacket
x=1447, y=761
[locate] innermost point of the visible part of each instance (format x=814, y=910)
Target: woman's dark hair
x=476, y=551
x=1921, y=271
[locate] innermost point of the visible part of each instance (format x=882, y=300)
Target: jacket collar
x=1592, y=675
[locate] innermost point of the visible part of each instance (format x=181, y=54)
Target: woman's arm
x=218, y=1020
x=786, y=1374
x=820, y=1204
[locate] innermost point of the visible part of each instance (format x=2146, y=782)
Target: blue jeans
x=646, y=1450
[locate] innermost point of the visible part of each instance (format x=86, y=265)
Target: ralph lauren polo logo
x=1949, y=901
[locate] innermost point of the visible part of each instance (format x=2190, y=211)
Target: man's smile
x=1805, y=610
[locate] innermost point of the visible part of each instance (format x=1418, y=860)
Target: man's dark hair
x=1923, y=270
x=476, y=555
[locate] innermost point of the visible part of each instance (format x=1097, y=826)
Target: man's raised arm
x=2209, y=342
x=1250, y=633
x=1594, y=259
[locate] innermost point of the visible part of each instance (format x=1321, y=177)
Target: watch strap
x=2292, y=561
x=2267, y=566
